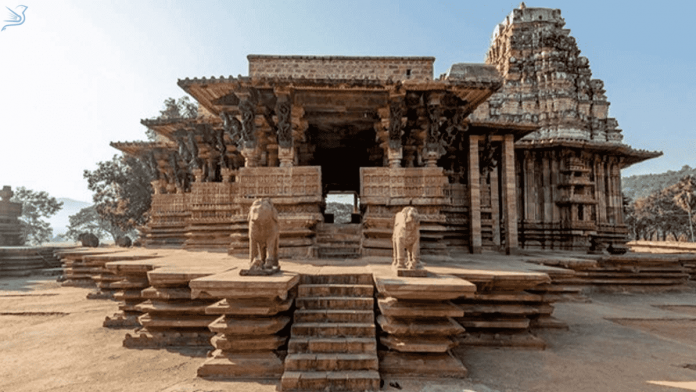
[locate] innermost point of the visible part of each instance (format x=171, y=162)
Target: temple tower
x=568, y=171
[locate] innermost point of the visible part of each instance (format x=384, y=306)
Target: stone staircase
x=333, y=343
x=339, y=241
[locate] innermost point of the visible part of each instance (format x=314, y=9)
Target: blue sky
x=79, y=74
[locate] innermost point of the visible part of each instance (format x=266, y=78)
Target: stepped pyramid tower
x=568, y=170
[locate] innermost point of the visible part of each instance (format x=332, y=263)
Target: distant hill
x=60, y=221
x=637, y=187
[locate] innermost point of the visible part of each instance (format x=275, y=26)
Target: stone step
x=334, y=316
x=331, y=345
x=335, y=303
x=339, y=254
x=335, y=290
x=344, y=228
x=331, y=362
x=338, y=237
x=364, y=380
x=338, y=279
x=333, y=329
x=338, y=248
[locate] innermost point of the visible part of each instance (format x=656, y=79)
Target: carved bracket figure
x=406, y=240
x=284, y=126
x=248, y=127
x=264, y=234
x=396, y=113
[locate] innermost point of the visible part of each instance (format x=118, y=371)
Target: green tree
x=685, y=198
x=87, y=220
x=173, y=109
x=35, y=207
x=122, y=192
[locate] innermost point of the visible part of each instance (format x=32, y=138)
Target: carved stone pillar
x=198, y=174
x=394, y=156
x=507, y=169
x=286, y=156
x=495, y=205
x=474, y=196
x=433, y=150
x=248, y=135
x=226, y=174
x=251, y=156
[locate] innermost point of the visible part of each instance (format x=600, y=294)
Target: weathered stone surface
x=231, y=285
x=161, y=322
x=178, y=276
x=260, y=365
x=331, y=345
x=362, y=380
x=417, y=344
x=421, y=365
x=249, y=326
x=497, y=339
x=494, y=323
x=237, y=343
x=144, y=338
x=407, y=273
x=414, y=327
x=435, y=288
x=416, y=309
x=250, y=307
x=331, y=362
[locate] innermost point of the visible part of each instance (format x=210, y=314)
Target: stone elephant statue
x=264, y=234
x=406, y=240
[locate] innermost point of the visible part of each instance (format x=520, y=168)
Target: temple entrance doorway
x=341, y=150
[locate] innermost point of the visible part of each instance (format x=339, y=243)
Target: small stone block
x=259, y=272
x=409, y=273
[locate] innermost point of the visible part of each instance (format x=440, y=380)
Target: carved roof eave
x=629, y=154
x=140, y=148
x=207, y=90
x=518, y=129
x=168, y=126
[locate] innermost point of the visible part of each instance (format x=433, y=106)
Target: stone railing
x=395, y=186
x=212, y=201
x=301, y=182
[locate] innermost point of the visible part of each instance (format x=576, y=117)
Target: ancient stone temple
x=10, y=226
x=517, y=152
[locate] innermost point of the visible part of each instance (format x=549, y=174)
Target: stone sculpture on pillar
x=264, y=235
x=406, y=240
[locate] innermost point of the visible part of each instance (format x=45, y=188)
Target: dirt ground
x=52, y=339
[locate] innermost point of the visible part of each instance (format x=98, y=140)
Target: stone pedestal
x=106, y=280
x=418, y=326
x=133, y=279
x=76, y=271
x=250, y=323
x=171, y=316
x=503, y=313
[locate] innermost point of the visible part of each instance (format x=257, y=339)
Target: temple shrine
x=518, y=152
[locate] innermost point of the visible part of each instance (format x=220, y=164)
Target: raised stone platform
x=336, y=309
x=250, y=322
